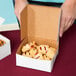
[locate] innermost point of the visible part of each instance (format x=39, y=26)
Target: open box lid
x=40, y=21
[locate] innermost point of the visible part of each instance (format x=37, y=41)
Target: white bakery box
x=5, y=50
x=39, y=24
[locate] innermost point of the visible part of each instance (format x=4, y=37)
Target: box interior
x=40, y=24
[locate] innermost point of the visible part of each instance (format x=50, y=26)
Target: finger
x=68, y=20
x=72, y=22
x=63, y=19
x=69, y=25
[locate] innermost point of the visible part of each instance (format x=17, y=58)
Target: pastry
x=51, y=52
x=33, y=51
x=2, y=42
x=28, y=54
x=43, y=52
x=38, y=56
x=43, y=49
x=26, y=48
x=23, y=54
x=45, y=57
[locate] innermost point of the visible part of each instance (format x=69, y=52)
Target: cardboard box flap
x=23, y=26
x=40, y=21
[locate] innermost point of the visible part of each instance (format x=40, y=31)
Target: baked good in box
x=2, y=42
x=43, y=52
x=23, y=54
x=43, y=49
x=46, y=57
x=28, y=54
x=33, y=52
x=51, y=52
x=26, y=48
x=38, y=56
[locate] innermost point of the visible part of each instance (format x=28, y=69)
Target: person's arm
x=19, y=6
x=68, y=15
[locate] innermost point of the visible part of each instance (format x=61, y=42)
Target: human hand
x=68, y=16
x=19, y=6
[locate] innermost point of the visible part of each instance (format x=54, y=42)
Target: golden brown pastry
x=26, y=48
x=43, y=52
x=28, y=54
x=2, y=42
x=38, y=56
x=43, y=49
x=51, y=52
x=33, y=51
x=45, y=57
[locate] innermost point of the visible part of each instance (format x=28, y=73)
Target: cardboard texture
x=40, y=24
x=5, y=50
